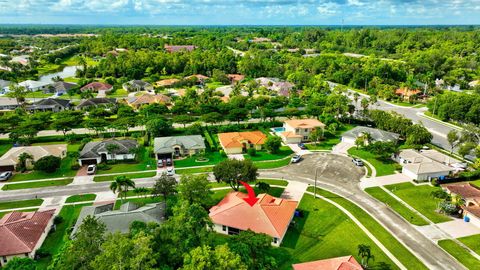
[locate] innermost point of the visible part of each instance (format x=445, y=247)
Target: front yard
x=419, y=197
x=145, y=162
x=284, y=151
x=461, y=254
x=382, y=167
x=194, y=161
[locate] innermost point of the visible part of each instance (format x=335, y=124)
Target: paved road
x=336, y=173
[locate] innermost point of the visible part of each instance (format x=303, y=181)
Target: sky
x=248, y=12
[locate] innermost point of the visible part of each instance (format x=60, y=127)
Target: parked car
x=4, y=176
x=357, y=162
x=160, y=163
x=170, y=171
x=296, y=158
x=302, y=146
x=169, y=162
x=91, y=169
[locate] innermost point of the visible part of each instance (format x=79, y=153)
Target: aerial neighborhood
x=239, y=148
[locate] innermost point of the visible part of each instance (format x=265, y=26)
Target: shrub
x=252, y=152
x=223, y=154
x=57, y=220
x=42, y=253
x=48, y=164
x=75, y=167
x=273, y=144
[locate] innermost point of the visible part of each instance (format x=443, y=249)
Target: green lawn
x=38, y=94
x=146, y=162
x=461, y=254
x=390, y=242
x=45, y=68
x=4, y=148
x=40, y=184
x=194, y=170
x=272, y=164
x=398, y=207
x=55, y=240
x=264, y=155
x=20, y=204
x=130, y=175
x=473, y=242
x=419, y=198
x=274, y=182
x=326, y=144
x=213, y=158
x=81, y=198
x=325, y=232
x=118, y=93
x=64, y=170
x=3, y=213
x=383, y=167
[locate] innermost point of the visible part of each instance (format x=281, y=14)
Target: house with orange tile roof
x=22, y=233
x=298, y=130
x=235, y=78
x=406, y=93
x=167, y=82
x=240, y=142
x=198, y=77
x=146, y=99
x=470, y=194
x=269, y=215
x=339, y=263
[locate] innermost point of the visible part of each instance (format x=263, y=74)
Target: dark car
x=4, y=176
x=302, y=146
x=169, y=162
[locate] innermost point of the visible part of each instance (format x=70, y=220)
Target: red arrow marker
x=252, y=199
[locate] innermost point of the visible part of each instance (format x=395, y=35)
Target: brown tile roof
x=96, y=86
x=339, y=263
x=269, y=215
x=235, y=77
x=235, y=139
x=198, y=76
x=148, y=99
x=167, y=82
x=304, y=123
x=464, y=190
x=21, y=231
x=178, y=48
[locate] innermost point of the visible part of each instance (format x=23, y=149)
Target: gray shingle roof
x=63, y=86
x=96, y=102
x=120, y=220
x=52, y=102
x=377, y=134
x=93, y=149
x=165, y=145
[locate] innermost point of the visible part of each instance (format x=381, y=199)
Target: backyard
x=419, y=197
x=382, y=167
x=325, y=232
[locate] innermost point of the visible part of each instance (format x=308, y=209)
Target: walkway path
x=294, y=191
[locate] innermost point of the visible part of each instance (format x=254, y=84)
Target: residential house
x=298, y=130
x=8, y=104
x=234, y=78
x=147, y=99
x=97, y=86
x=473, y=84
x=282, y=88
x=50, y=104
x=21, y=59
x=240, y=142
x=137, y=85
x=471, y=196
x=97, y=102
x=98, y=151
x=60, y=88
x=9, y=160
x=167, y=82
x=121, y=219
x=260, y=40
x=406, y=93
x=198, y=77
x=269, y=215
x=339, y=263
x=23, y=233
x=179, y=48
x=376, y=135
x=4, y=86
x=178, y=146
x=426, y=164
x=35, y=85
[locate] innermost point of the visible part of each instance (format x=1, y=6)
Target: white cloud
x=328, y=9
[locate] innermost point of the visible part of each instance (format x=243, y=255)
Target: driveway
x=342, y=148
x=299, y=151
x=82, y=177
x=384, y=180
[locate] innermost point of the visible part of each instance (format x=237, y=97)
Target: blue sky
x=217, y=12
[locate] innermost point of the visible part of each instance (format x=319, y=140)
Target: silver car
x=4, y=176
x=296, y=158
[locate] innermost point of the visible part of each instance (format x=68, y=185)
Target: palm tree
x=365, y=253
x=83, y=63
x=120, y=185
x=22, y=161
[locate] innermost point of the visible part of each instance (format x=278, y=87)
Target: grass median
x=81, y=198
x=104, y=178
x=20, y=204
x=386, y=238
x=460, y=253
x=39, y=184
x=397, y=206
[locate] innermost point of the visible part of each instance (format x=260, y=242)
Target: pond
x=68, y=71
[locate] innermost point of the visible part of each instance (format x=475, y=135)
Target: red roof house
x=269, y=215
x=339, y=263
x=22, y=233
x=97, y=86
x=179, y=48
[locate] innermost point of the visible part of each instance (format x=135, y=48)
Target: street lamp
x=315, y=184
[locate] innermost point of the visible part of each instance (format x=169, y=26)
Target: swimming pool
x=278, y=129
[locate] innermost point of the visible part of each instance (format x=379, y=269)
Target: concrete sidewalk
x=294, y=191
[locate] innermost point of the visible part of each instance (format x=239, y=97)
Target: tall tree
x=231, y=171
x=453, y=139
x=254, y=249
x=195, y=189
x=204, y=258
x=164, y=185
x=120, y=185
